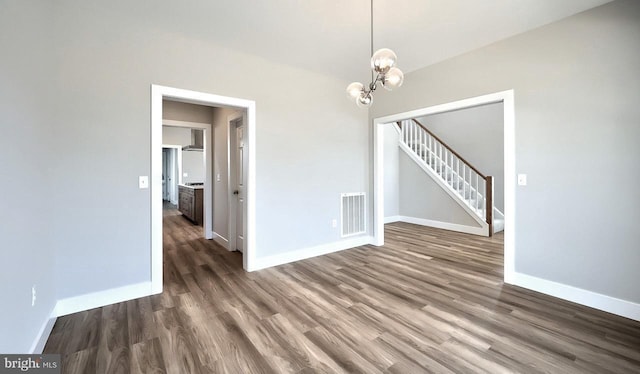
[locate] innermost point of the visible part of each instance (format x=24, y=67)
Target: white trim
x=392, y=219
x=578, y=295
x=509, y=215
x=156, y=188
x=305, y=253
x=444, y=225
x=507, y=98
x=186, y=124
x=378, y=182
x=43, y=335
x=448, y=189
x=101, y=298
x=157, y=94
x=224, y=242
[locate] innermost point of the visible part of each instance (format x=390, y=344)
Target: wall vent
x=352, y=211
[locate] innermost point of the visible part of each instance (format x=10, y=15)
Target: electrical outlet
x=33, y=295
x=522, y=179
x=143, y=182
x=334, y=223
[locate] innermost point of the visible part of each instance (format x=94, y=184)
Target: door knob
x=235, y=192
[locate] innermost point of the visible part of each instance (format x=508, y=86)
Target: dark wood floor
x=428, y=301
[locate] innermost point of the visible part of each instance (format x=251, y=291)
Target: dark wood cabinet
x=190, y=203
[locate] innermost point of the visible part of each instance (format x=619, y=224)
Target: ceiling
x=332, y=36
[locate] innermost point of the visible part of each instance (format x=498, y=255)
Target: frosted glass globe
x=364, y=100
x=383, y=60
x=392, y=79
x=354, y=90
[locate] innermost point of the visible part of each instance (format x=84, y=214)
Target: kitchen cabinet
x=190, y=203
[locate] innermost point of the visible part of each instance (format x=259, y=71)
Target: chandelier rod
x=371, y=50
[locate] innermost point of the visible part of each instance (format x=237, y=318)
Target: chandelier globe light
x=383, y=70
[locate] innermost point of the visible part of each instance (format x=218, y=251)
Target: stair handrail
x=450, y=149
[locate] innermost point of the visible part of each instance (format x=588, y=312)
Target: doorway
x=505, y=97
x=237, y=181
x=171, y=172
x=194, y=184
x=158, y=93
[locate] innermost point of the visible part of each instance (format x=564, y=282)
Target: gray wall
x=109, y=59
x=178, y=111
x=172, y=135
x=27, y=117
x=577, y=90
x=477, y=134
x=422, y=197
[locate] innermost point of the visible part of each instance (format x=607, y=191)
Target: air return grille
x=352, y=210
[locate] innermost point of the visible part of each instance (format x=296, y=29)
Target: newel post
x=489, y=203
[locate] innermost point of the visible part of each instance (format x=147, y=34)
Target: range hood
x=197, y=144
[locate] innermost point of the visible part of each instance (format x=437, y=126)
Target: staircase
x=461, y=180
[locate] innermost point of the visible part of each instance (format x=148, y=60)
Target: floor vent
x=352, y=209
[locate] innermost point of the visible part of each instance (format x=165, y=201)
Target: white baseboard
x=224, y=242
x=101, y=298
x=581, y=296
x=43, y=335
x=305, y=253
x=444, y=225
x=392, y=219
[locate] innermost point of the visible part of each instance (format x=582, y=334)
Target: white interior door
x=239, y=192
x=165, y=168
x=172, y=173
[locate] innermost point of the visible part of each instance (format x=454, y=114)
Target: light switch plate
x=522, y=179
x=143, y=182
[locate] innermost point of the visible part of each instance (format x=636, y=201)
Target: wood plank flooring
x=428, y=301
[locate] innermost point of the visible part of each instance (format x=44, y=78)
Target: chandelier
x=383, y=70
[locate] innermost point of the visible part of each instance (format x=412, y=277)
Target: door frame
x=232, y=213
x=158, y=93
x=178, y=160
x=505, y=97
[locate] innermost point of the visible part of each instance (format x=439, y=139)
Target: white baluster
x=421, y=148
x=450, y=159
x=440, y=157
x=430, y=151
x=457, y=174
x=477, y=196
x=413, y=135
x=464, y=181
